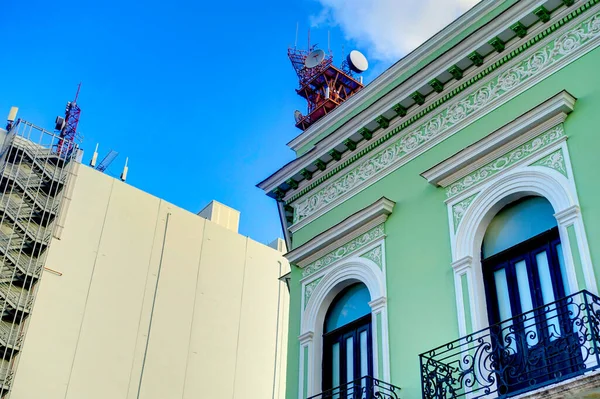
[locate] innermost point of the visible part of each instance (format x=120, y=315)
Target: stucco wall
x=212, y=326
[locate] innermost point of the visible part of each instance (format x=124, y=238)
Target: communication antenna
x=10, y=119
x=108, y=159
x=314, y=58
x=323, y=85
x=125, y=170
x=94, y=157
x=68, y=126
x=357, y=61
x=296, y=40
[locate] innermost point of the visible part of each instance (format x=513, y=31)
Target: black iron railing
x=546, y=345
x=363, y=388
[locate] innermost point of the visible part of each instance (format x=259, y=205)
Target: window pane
x=335, y=365
x=351, y=304
x=508, y=338
x=517, y=222
x=349, y=359
x=364, y=360
x=526, y=302
x=548, y=294
x=349, y=366
x=502, y=293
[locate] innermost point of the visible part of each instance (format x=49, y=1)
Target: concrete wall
x=147, y=300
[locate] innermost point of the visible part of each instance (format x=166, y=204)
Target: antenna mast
x=323, y=85
x=68, y=126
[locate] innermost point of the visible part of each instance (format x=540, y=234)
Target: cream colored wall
x=145, y=308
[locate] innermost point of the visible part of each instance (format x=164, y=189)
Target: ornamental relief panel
x=554, y=160
x=355, y=246
x=485, y=96
x=506, y=161
x=345, y=250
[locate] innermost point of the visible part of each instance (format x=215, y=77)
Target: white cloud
x=389, y=29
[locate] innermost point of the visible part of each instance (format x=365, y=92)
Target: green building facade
x=457, y=199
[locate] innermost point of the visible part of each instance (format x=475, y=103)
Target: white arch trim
x=510, y=186
x=347, y=272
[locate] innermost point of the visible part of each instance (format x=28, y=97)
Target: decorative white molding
x=309, y=288
x=306, y=338
x=459, y=266
x=423, y=76
x=361, y=221
x=548, y=114
x=378, y=304
x=555, y=161
x=459, y=209
x=403, y=90
x=504, y=188
x=536, y=64
x=336, y=278
x=375, y=255
x=343, y=251
x=569, y=215
x=510, y=159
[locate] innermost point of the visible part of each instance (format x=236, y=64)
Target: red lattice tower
x=324, y=86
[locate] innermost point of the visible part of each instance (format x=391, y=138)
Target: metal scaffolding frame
x=34, y=169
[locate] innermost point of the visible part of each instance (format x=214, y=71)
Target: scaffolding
x=34, y=170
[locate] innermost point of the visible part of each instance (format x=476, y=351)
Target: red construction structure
x=324, y=86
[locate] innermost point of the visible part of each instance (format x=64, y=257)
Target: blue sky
x=199, y=95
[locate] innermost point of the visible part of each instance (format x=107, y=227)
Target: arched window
x=524, y=276
x=347, y=341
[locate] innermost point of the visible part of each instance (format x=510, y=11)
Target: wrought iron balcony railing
x=546, y=345
x=363, y=388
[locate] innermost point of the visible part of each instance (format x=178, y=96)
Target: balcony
x=363, y=388
x=547, y=345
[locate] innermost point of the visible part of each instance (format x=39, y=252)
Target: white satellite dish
x=298, y=116
x=314, y=58
x=357, y=61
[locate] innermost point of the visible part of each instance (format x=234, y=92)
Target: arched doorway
x=524, y=277
x=347, y=340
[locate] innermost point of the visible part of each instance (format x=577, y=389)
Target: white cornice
x=544, y=116
x=405, y=88
x=442, y=63
x=435, y=43
x=374, y=213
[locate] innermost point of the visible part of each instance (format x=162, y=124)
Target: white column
x=305, y=369
x=379, y=312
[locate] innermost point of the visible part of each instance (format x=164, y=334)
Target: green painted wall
x=420, y=280
x=293, y=353
x=500, y=8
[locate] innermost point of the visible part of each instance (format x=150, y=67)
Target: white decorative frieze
x=486, y=96
x=345, y=250
x=506, y=161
